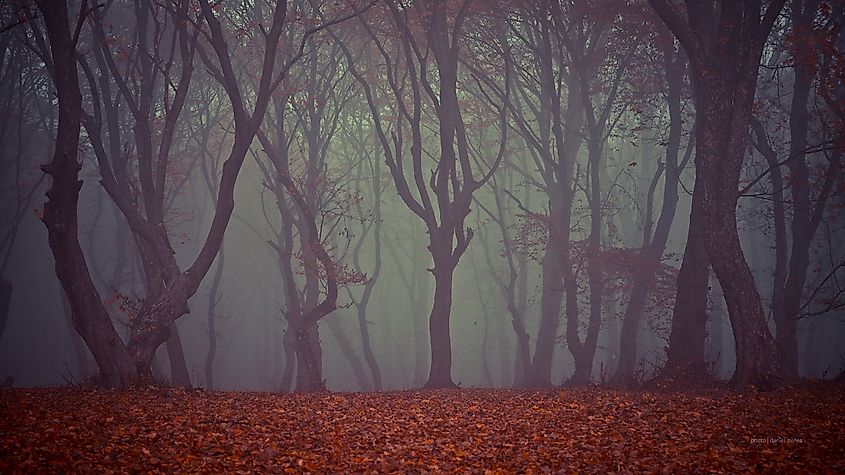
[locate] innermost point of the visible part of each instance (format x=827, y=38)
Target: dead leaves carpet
x=466, y=431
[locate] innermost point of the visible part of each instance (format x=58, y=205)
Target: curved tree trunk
x=755, y=350
x=361, y=307
x=90, y=318
x=585, y=352
x=806, y=210
x=724, y=42
x=369, y=356
x=624, y=375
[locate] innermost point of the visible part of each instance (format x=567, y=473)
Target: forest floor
x=465, y=430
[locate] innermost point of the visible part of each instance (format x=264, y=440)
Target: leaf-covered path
x=52, y=430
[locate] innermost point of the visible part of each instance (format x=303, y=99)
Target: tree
x=508, y=287
x=568, y=88
x=654, y=245
x=90, y=318
x=19, y=126
x=807, y=210
x=724, y=43
x=422, y=32
x=123, y=364
x=586, y=45
x=553, y=143
x=306, y=116
x=373, y=223
x=206, y=141
x=156, y=117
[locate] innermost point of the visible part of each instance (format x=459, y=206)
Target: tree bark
x=550, y=303
x=685, y=356
x=179, y=375
x=724, y=42
x=289, y=344
x=90, y=318
x=584, y=352
x=804, y=225
x=309, y=375
x=440, y=374
x=367, y=348
x=211, y=319
x=563, y=127
x=79, y=349
x=441, y=201
x=654, y=246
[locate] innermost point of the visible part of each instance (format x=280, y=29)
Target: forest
x=422, y=235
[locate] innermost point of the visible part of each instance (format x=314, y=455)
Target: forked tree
x=724, y=43
x=420, y=45
x=125, y=364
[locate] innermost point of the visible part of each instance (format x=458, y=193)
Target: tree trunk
x=654, y=246
x=724, y=42
x=367, y=348
x=556, y=274
x=504, y=353
x=624, y=375
x=309, y=374
x=309, y=355
x=485, y=348
x=212, y=318
x=720, y=147
x=79, y=349
x=5, y=302
x=685, y=356
x=516, y=308
x=289, y=344
x=584, y=357
x=584, y=353
x=802, y=228
x=90, y=318
x=179, y=375
x=550, y=301
x=522, y=363
x=440, y=375
x=361, y=307
x=351, y=357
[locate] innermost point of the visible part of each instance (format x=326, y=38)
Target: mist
x=381, y=196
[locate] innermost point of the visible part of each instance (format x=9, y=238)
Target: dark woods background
x=382, y=195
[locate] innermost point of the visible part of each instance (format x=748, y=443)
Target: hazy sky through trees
x=472, y=192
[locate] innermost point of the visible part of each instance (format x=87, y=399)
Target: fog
x=537, y=163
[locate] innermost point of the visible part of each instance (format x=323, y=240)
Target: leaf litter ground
x=465, y=430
